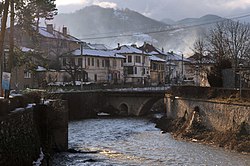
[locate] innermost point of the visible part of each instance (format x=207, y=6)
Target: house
x=98, y=66
x=198, y=69
x=157, y=70
x=42, y=48
x=23, y=73
x=49, y=42
x=136, y=64
x=174, y=63
x=176, y=66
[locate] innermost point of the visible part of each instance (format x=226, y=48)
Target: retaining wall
x=19, y=140
x=25, y=131
x=218, y=116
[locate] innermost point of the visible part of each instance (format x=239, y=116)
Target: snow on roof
x=125, y=49
x=57, y=35
x=175, y=57
x=170, y=56
x=97, y=46
x=155, y=58
x=98, y=53
x=154, y=53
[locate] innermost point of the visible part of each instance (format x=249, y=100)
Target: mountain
x=168, y=21
x=96, y=21
x=111, y=26
x=207, y=19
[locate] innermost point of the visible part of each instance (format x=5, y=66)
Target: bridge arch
x=124, y=109
x=147, y=105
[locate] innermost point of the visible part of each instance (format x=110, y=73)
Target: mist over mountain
x=207, y=19
x=111, y=26
x=95, y=20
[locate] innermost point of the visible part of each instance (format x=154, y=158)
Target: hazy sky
x=159, y=9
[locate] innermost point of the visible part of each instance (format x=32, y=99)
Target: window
x=103, y=63
x=95, y=77
x=79, y=62
x=88, y=61
x=129, y=59
x=135, y=70
x=72, y=61
x=137, y=59
x=122, y=63
x=162, y=67
x=93, y=62
x=107, y=62
x=98, y=63
x=130, y=70
x=155, y=66
x=143, y=59
x=143, y=71
x=27, y=74
x=114, y=63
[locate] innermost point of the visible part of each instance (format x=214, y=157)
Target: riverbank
x=191, y=128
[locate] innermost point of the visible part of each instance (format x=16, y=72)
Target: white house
x=136, y=64
x=98, y=66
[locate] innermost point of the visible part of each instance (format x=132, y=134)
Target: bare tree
x=228, y=43
x=237, y=40
x=72, y=69
x=216, y=40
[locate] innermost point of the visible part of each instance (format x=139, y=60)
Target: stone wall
x=19, y=140
x=25, y=131
x=52, y=125
x=82, y=105
x=217, y=116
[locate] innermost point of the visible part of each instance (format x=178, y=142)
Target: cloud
x=106, y=4
x=159, y=9
x=67, y=2
x=237, y=4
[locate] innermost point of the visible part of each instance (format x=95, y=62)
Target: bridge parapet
x=127, y=102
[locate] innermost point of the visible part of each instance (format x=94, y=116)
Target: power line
x=168, y=30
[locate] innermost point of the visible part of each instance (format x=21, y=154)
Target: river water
x=136, y=142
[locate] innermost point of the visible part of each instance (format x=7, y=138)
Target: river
x=136, y=142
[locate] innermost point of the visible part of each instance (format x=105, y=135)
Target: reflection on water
x=136, y=142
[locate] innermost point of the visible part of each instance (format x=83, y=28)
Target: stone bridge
x=133, y=102
x=128, y=102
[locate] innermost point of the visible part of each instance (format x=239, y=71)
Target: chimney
x=133, y=45
x=50, y=28
x=64, y=31
x=162, y=50
x=119, y=47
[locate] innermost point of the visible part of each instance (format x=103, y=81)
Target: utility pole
x=240, y=73
x=11, y=37
x=81, y=66
x=182, y=70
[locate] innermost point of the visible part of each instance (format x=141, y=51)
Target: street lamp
x=240, y=73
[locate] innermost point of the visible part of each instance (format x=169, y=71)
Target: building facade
x=136, y=65
x=97, y=66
